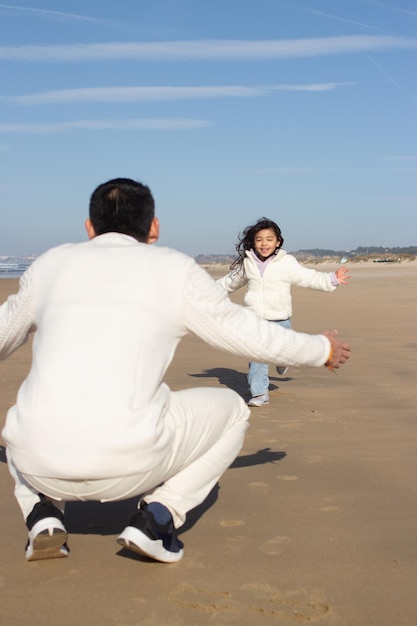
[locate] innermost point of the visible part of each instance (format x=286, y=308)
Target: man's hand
x=339, y=351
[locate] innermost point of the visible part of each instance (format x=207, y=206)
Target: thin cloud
x=335, y=17
x=393, y=8
x=146, y=94
x=207, y=49
x=130, y=124
x=49, y=13
x=391, y=79
x=313, y=87
x=369, y=26
x=133, y=94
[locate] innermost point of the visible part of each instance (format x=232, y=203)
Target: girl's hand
x=342, y=275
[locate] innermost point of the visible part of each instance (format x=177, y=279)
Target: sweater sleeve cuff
x=334, y=280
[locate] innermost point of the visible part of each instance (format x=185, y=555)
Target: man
x=93, y=419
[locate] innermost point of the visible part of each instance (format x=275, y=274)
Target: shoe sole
x=136, y=541
x=46, y=540
x=47, y=546
x=258, y=404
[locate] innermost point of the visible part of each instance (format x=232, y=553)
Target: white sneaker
x=47, y=538
x=259, y=400
x=282, y=370
x=147, y=537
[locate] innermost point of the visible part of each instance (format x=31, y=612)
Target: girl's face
x=265, y=243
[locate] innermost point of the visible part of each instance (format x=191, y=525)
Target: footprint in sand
x=295, y=607
x=313, y=458
x=227, y=523
x=264, y=488
x=274, y=545
x=328, y=506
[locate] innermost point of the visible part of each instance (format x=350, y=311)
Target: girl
x=268, y=271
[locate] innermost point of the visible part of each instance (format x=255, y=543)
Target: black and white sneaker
x=47, y=534
x=151, y=533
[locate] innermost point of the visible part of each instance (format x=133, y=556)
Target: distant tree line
x=407, y=253
x=360, y=251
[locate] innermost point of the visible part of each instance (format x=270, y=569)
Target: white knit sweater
x=269, y=296
x=108, y=315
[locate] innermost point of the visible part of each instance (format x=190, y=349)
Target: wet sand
x=314, y=523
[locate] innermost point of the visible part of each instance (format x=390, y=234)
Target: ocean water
x=12, y=270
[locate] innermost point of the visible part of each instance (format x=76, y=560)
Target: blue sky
x=229, y=110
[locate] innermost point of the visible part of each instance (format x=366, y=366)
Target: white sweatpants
x=209, y=430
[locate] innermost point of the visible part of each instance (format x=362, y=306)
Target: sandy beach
x=314, y=523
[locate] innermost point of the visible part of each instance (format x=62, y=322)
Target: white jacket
x=269, y=296
x=108, y=315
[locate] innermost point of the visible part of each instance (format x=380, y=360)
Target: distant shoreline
x=327, y=264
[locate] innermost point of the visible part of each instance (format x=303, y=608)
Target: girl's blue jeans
x=258, y=378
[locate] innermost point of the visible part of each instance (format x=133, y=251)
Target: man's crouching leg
x=208, y=427
x=47, y=536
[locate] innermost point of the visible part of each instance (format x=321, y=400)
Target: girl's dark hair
x=247, y=239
